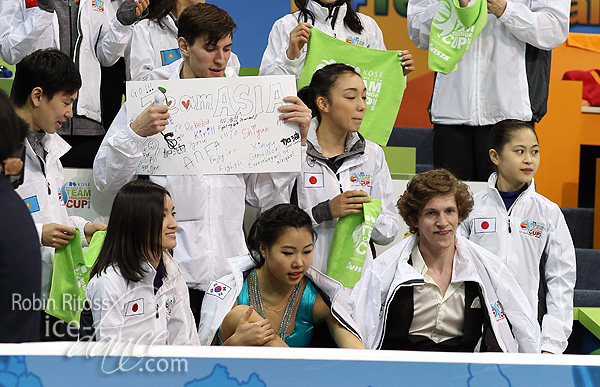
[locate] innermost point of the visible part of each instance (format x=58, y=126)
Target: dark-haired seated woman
x=136, y=291
x=274, y=287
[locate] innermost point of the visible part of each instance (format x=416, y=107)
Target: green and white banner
x=350, y=244
x=452, y=32
x=380, y=70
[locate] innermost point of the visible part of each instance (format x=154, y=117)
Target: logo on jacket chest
x=355, y=40
x=170, y=56
x=31, y=3
x=360, y=180
x=169, y=305
x=531, y=228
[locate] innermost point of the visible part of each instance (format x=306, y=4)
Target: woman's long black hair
x=267, y=229
x=159, y=9
x=134, y=233
x=351, y=20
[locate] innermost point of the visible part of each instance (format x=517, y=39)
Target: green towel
x=453, y=30
x=350, y=244
x=380, y=70
x=70, y=276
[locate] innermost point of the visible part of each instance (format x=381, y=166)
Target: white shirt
x=437, y=316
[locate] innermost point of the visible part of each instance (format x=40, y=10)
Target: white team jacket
x=490, y=84
x=223, y=293
x=210, y=208
x=537, y=231
x=367, y=171
x=502, y=296
x=44, y=195
x=153, y=46
x=130, y=311
x=275, y=60
x=102, y=40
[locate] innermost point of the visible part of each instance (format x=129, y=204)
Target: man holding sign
x=210, y=207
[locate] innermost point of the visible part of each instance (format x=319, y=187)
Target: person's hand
x=152, y=120
x=252, y=333
x=297, y=112
x=463, y=3
x=298, y=38
x=407, y=61
x=131, y=11
x=12, y=166
x=496, y=7
x=56, y=235
x=90, y=228
x=349, y=202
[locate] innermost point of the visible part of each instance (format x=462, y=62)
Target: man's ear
x=36, y=96
x=495, y=157
x=183, y=46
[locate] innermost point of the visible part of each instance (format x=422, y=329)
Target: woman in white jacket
x=339, y=167
x=154, y=41
x=136, y=291
x=286, y=49
x=527, y=231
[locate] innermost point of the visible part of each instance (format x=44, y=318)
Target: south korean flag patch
x=135, y=307
x=218, y=289
x=484, y=225
x=313, y=180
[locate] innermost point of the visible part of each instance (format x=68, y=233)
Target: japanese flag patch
x=135, y=307
x=313, y=180
x=218, y=289
x=484, y=225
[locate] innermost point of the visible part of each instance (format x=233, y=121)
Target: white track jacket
x=538, y=238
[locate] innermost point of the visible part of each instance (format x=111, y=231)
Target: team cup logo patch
x=484, y=225
x=218, y=289
x=169, y=306
x=313, y=180
x=356, y=41
x=498, y=311
x=531, y=228
x=135, y=307
x=360, y=179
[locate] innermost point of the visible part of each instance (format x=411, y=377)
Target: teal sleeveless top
x=303, y=325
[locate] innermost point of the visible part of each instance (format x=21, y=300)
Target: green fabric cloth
x=453, y=30
x=70, y=276
x=350, y=244
x=380, y=70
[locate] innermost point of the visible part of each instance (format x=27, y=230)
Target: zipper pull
x=49, y=190
x=156, y=310
x=509, y=230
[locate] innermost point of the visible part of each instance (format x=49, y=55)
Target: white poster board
x=218, y=126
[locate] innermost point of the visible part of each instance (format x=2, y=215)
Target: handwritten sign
x=218, y=126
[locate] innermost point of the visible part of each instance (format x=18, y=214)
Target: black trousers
x=196, y=297
x=463, y=150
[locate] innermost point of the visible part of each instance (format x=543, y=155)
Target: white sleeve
x=20, y=29
x=544, y=24
x=114, y=37
x=106, y=308
x=141, y=57
x=419, y=16
x=373, y=29
x=264, y=190
x=560, y=276
x=275, y=60
x=386, y=226
x=79, y=222
x=181, y=325
x=118, y=156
